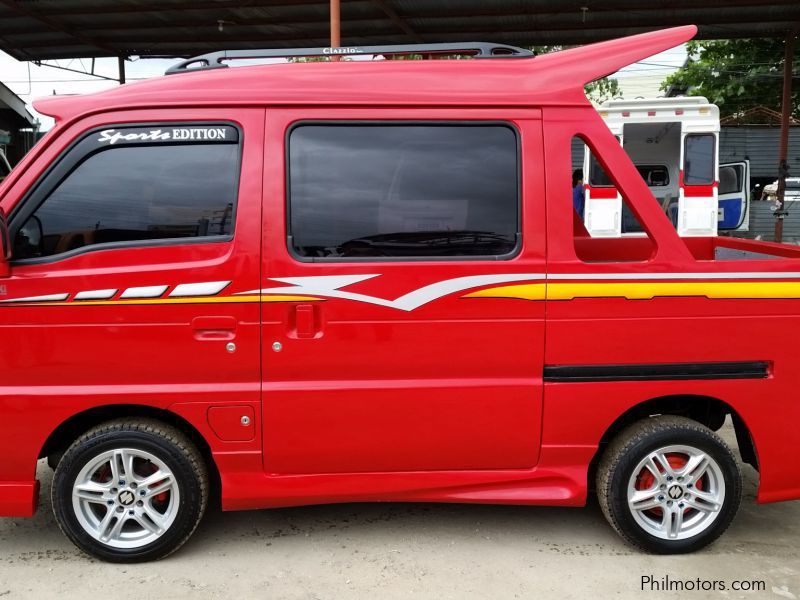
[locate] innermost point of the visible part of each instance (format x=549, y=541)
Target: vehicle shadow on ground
x=555, y=530
x=581, y=531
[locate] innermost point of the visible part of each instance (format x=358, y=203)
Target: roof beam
x=119, y=8
x=24, y=11
x=530, y=6
x=551, y=20
x=397, y=20
x=191, y=41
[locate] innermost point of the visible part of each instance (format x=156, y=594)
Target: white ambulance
x=674, y=143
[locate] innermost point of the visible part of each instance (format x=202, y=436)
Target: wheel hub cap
x=125, y=498
x=676, y=492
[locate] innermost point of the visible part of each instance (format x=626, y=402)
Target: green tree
x=603, y=89
x=736, y=75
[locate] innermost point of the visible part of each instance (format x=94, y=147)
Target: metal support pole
x=121, y=66
x=783, y=148
x=336, y=26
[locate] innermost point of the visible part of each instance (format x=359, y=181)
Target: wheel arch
x=69, y=430
x=707, y=410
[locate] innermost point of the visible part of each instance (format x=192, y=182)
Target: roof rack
x=218, y=60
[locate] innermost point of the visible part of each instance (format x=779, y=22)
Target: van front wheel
x=669, y=485
x=130, y=490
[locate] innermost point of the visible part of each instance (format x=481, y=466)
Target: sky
x=30, y=81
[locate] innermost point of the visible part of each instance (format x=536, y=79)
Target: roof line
x=15, y=103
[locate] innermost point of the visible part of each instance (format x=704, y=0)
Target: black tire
x=162, y=441
x=633, y=445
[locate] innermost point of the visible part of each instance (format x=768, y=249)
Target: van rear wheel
x=669, y=485
x=130, y=490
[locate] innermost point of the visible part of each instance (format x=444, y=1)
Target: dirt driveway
x=387, y=551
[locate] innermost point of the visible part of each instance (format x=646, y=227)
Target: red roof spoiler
x=588, y=63
x=556, y=78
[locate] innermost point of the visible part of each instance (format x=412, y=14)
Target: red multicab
x=407, y=380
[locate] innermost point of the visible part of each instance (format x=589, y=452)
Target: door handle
x=214, y=328
x=305, y=321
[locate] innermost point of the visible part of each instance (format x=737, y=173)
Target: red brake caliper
x=163, y=496
x=646, y=479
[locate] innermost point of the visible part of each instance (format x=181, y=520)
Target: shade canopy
x=48, y=29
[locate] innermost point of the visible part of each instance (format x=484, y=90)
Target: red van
x=364, y=280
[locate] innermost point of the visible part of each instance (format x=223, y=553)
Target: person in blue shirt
x=577, y=192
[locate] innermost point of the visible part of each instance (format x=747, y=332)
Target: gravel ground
x=404, y=550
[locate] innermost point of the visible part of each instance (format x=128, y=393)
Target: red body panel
x=375, y=396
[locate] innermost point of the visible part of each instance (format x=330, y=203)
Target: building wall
x=760, y=145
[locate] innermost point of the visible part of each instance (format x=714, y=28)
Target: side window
x=654, y=175
x=698, y=159
x=605, y=227
x=597, y=175
x=123, y=190
x=414, y=191
x=730, y=179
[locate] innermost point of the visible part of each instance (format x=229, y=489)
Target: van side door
x=385, y=348
x=129, y=251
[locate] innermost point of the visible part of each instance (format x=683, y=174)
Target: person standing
x=578, y=197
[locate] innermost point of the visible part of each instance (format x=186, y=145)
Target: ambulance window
x=698, y=159
x=598, y=176
x=605, y=226
x=136, y=194
x=413, y=191
x=730, y=179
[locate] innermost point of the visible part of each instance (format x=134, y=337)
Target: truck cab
x=314, y=282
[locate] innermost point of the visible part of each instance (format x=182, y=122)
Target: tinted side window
x=698, y=159
x=403, y=190
x=730, y=179
x=597, y=175
x=136, y=193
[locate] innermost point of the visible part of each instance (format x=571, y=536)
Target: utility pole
x=336, y=26
x=121, y=66
x=783, y=148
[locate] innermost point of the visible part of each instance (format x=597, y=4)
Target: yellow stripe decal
x=199, y=300
x=525, y=291
x=646, y=290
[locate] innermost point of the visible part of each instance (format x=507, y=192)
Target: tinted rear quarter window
x=374, y=190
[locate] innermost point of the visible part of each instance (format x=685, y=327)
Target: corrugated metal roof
x=760, y=145
x=44, y=29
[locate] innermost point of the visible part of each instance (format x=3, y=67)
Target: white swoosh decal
x=329, y=286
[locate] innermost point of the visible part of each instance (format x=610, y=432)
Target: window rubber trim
x=400, y=123
x=63, y=166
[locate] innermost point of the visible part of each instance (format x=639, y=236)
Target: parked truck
x=318, y=282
